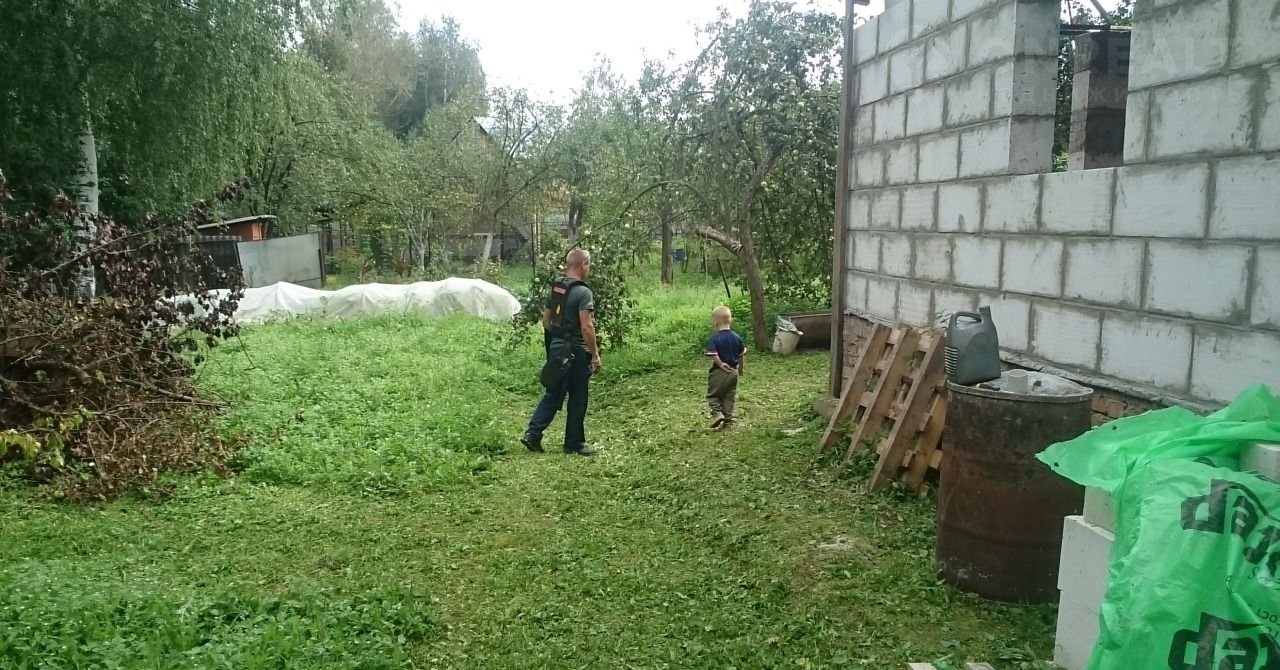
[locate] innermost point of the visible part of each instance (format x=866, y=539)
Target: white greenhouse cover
x=455, y=295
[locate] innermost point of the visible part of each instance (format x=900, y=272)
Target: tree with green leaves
x=115, y=99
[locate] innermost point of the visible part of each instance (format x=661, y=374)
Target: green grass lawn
x=385, y=517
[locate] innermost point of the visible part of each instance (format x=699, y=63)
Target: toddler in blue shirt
x=726, y=350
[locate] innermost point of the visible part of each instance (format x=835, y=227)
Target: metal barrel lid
x=1044, y=388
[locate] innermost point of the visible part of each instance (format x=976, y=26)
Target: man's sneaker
x=717, y=420
x=584, y=450
x=533, y=444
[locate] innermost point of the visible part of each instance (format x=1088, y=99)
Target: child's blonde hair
x=721, y=315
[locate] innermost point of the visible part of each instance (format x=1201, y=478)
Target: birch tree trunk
x=667, y=213
x=86, y=228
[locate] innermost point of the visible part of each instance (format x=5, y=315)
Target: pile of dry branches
x=96, y=395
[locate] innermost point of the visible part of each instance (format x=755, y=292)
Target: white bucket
x=784, y=342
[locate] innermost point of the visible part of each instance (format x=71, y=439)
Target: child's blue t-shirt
x=728, y=346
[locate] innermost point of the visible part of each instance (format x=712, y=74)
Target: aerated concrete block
x=1085, y=562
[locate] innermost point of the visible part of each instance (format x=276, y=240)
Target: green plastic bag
x=1194, y=578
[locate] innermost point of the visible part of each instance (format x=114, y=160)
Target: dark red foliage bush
x=96, y=395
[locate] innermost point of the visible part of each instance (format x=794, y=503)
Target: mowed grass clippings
x=386, y=517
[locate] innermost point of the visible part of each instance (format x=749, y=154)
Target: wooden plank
x=844, y=408
x=978, y=666
x=925, y=442
x=921, y=666
x=885, y=391
x=928, y=442
x=904, y=431
x=853, y=387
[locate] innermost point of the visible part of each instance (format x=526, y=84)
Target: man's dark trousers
x=575, y=386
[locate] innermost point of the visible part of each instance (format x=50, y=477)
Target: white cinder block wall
x=1161, y=277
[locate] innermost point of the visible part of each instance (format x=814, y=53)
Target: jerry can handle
x=974, y=316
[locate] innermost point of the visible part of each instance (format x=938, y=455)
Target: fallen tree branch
x=171, y=395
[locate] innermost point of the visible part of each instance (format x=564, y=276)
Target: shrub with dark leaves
x=97, y=394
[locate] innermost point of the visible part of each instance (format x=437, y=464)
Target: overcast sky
x=545, y=46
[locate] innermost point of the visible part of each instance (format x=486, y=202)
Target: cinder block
x=963, y=8
x=873, y=81
x=906, y=68
x=929, y=15
x=1181, y=44
x=1036, y=31
x=915, y=304
x=1032, y=265
x=895, y=27
x=969, y=98
x=1229, y=361
x=1256, y=26
x=976, y=261
x=933, y=258
x=1156, y=352
x=1008, y=146
x=1265, y=310
x=959, y=205
x=1012, y=316
x=1180, y=117
x=945, y=52
x=891, y=119
x=864, y=130
x=1011, y=204
x=924, y=110
x=985, y=150
x=1162, y=201
x=1077, y=633
x=866, y=251
x=939, y=157
x=882, y=298
x=859, y=212
x=886, y=209
x=1207, y=281
x=855, y=293
x=1030, y=145
x=895, y=255
x=993, y=36
x=1085, y=562
x=1269, y=128
x=1247, y=201
x=900, y=168
x=868, y=171
x=1025, y=86
x=1106, y=271
x=864, y=41
x=1136, y=122
x=1098, y=509
x=918, y=207
x=1078, y=201
x=949, y=300
x=1066, y=335
x=1263, y=459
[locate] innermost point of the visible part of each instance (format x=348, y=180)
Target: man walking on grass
x=573, y=356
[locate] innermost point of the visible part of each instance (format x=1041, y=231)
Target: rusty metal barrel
x=1000, y=511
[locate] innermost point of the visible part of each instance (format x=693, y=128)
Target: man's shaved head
x=578, y=258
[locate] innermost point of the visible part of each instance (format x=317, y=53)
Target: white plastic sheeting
x=455, y=295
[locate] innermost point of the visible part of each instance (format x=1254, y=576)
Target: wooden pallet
x=894, y=398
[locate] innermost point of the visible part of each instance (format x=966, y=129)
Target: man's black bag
x=557, y=366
